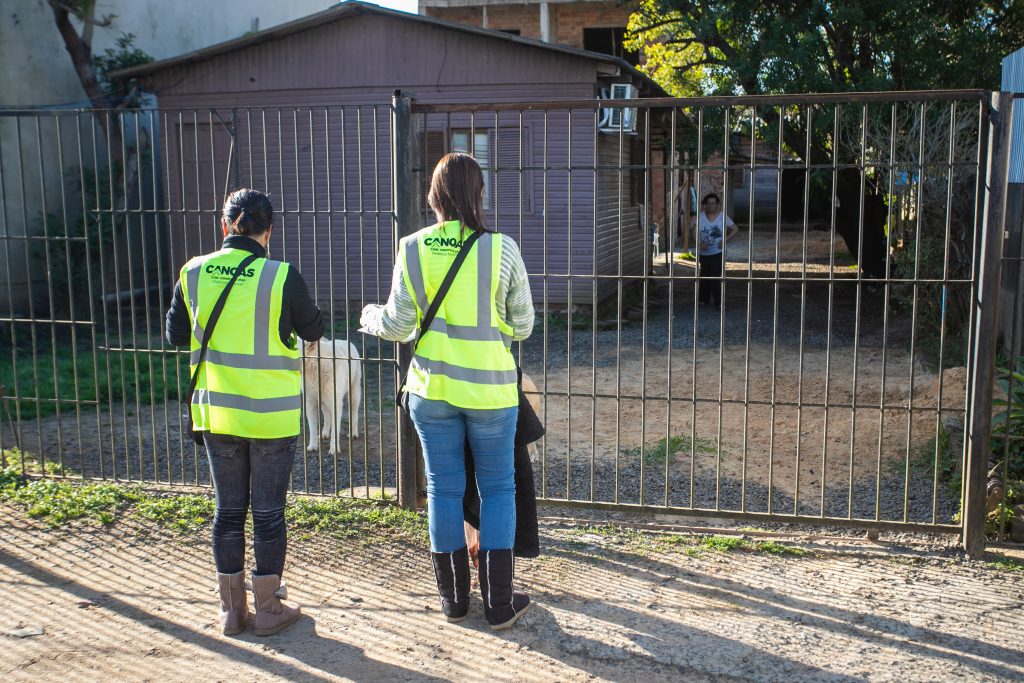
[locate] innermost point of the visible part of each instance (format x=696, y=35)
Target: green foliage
x=1006, y=445
x=694, y=546
x=124, y=56
x=346, y=517
x=58, y=502
x=124, y=383
x=1005, y=563
x=186, y=513
x=678, y=443
x=723, y=543
x=757, y=47
x=775, y=548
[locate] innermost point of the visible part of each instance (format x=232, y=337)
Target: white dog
x=330, y=370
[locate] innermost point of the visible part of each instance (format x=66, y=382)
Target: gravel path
x=130, y=603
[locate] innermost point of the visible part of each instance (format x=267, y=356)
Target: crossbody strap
x=212, y=322
x=435, y=304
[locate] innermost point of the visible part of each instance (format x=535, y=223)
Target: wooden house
x=303, y=111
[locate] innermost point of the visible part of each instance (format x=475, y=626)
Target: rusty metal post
x=405, y=221
x=985, y=312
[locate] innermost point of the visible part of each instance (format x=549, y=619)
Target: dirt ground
x=131, y=603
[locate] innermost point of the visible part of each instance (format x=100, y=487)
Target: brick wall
x=567, y=20
x=526, y=18
x=571, y=19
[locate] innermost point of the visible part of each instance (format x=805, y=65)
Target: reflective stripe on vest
x=466, y=365
x=254, y=389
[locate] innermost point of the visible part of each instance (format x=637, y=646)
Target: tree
x=109, y=98
x=771, y=46
x=759, y=47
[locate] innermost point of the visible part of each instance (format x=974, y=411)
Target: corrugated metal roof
x=354, y=8
x=1013, y=81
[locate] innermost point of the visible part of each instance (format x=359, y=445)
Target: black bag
x=197, y=436
x=401, y=397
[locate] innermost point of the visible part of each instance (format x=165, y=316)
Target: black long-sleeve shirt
x=298, y=310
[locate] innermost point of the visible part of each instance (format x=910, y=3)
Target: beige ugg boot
x=234, y=608
x=272, y=615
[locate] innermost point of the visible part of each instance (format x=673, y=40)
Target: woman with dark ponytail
x=247, y=398
x=462, y=381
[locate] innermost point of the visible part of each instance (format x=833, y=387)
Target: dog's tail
x=355, y=379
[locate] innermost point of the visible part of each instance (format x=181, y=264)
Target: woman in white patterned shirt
x=462, y=382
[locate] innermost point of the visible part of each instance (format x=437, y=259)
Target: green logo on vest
x=442, y=242
x=229, y=270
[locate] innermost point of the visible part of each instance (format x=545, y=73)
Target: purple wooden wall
x=311, y=115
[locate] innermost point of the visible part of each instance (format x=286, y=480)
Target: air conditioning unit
x=613, y=120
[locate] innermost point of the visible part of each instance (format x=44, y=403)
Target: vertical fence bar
x=985, y=312
x=405, y=220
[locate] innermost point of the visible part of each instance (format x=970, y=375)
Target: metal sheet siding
x=1013, y=81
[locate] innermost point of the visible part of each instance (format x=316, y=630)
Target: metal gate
x=834, y=366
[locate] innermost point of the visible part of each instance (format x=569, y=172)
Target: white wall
x=36, y=72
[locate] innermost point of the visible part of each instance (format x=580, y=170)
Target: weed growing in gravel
x=348, y=517
x=723, y=543
x=58, y=502
x=186, y=513
x=774, y=548
x=678, y=443
x=1009, y=564
x=695, y=545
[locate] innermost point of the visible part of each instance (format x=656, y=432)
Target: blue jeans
x=444, y=430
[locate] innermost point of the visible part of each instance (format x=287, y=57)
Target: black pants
x=244, y=471
x=710, y=289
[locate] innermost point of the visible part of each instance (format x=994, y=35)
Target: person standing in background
x=714, y=229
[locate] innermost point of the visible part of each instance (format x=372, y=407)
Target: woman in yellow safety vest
x=247, y=399
x=462, y=381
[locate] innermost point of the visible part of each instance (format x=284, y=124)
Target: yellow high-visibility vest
x=465, y=358
x=250, y=382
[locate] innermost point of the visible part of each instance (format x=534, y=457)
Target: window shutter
x=507, y=143
x=432, y=148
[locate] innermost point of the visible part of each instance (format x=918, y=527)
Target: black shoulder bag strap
x=428, y=317
x=210, y=324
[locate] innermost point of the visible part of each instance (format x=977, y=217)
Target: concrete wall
x=36, y=72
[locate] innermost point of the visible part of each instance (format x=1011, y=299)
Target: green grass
x=347, y=517
x=57, y=502
x=1005, y=563
x=696, y=545
x=186, y=513
x=36, y=378
x=678, y=443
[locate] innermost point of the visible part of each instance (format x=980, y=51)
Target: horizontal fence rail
x=831, y=385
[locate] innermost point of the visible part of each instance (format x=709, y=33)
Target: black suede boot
x=452, y=573
x=502, y=605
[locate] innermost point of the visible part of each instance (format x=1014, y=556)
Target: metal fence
x=844, y=380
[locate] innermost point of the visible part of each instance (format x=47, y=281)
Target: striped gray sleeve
x=398, y=316
x=515, y=302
